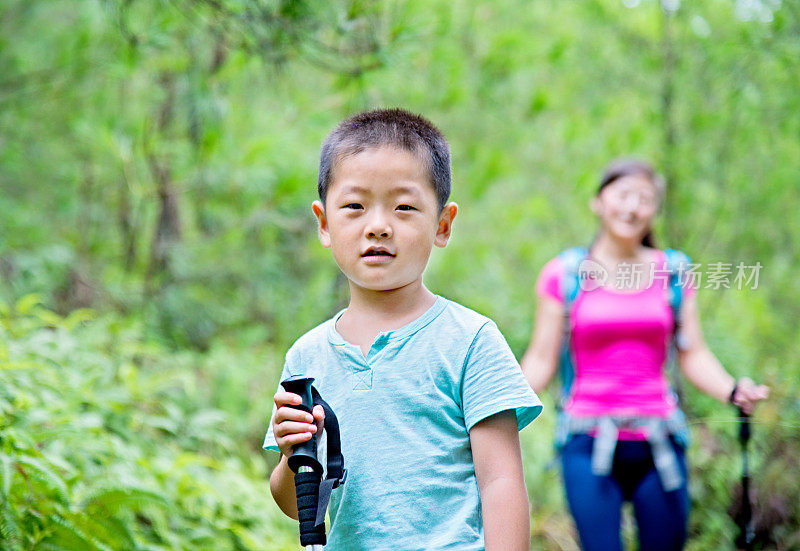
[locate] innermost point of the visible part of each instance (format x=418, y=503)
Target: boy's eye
x=353, y=206
x=405, y=207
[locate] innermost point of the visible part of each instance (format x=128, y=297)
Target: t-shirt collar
x=405, y=331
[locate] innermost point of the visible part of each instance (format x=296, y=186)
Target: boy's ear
x=322, y=224
x=445, y=226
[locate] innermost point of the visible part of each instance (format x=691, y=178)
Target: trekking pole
x=312, y=492
x=746, y=535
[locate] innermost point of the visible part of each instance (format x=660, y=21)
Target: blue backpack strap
x=570, y=281
x=677, y=265
x=570, y=290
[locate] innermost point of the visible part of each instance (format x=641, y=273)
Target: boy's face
x=381, y=218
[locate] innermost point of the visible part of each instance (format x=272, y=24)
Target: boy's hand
x=293, y=426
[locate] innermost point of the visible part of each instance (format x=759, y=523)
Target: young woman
x=622, y=432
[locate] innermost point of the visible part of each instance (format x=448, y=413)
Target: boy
x=428, y=395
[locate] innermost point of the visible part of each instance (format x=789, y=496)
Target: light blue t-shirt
x=404, y=413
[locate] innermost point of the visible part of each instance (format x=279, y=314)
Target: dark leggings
x=596, y=501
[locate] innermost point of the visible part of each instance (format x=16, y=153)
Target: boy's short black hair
x=387, y=127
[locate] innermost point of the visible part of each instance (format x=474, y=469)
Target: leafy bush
x=108, y=444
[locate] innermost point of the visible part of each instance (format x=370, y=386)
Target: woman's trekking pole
x=312, y=492
x=746, y=536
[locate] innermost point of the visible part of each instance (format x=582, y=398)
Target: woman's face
x=626, y=207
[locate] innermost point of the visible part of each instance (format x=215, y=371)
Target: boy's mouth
x=376, y=253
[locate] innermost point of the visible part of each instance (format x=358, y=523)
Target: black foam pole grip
x=307, y=491
x=305, y=453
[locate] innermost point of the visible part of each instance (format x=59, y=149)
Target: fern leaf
x=43, y=473
x=105, y=530
x=72, y=534
x=113, y=499
x=10, y=535
x=6, y=466
x=49, y=546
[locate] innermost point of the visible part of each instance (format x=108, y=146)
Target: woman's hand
x=746, y=394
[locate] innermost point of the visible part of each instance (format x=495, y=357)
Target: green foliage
x=157, y=162
x=108, y=444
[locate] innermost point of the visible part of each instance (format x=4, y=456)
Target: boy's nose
x=376, y=232
x=378, y=226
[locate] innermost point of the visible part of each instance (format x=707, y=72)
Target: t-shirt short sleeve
x=269, y=441
x=493, y=381
x=549, y=282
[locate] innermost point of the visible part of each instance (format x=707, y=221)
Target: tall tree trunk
x=168, y=226
x=85, y=209
x=125, y=218
x=668, y=122
x=167, y=231
x=202, y=71
x=126, y=225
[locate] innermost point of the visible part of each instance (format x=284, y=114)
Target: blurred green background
x=158, y=253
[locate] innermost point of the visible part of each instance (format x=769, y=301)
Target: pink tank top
x=619, y=344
